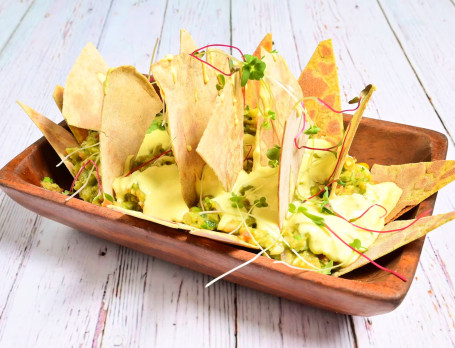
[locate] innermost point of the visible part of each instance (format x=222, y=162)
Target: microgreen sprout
x=47, y=179
x=156, y=124
x=261, y=202
x=273, y=155
x=253, y=69
x=221, y=82
x=312, y=130
x=357, y=244
x=238, y=200
x=270, y=115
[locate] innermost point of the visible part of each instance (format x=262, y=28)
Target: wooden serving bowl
x=366, y=291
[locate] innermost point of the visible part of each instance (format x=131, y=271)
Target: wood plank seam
x=15, y=29
x=106, y=18
x=162, y=28
x=293, y=35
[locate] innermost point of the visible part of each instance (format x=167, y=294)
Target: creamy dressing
x=161, y=186
x=152, y=140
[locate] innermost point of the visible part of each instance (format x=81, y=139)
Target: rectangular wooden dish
x=366, y=292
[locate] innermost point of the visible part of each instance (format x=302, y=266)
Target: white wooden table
x=61, y=288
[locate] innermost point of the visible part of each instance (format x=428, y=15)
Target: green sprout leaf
x=47, y=179
x=109, y=197
x=274, y=51
x=312, y=130
x=292, y=208
x=273, y=155
x=357, y=244
x=354, y=100
x=261, y=202
x=156, y=124
x=253, y=69
x=238, y=201
x=221, y=82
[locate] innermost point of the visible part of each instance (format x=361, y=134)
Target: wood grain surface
x=61, y=287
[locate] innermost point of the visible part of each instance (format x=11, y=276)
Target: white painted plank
x=367, y=51
x=151, y=302
x=52, y=281
x=11, y=13
x=57, y=295
x=425, y=30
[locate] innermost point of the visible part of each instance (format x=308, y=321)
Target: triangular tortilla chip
x=83, y=94
x=223, y=237
x=79, y=133
x=187, y=43
x=283, y=93
x=388, y=242
x=221, y=145
x=290, y=161
x=58, y=97
x=417, y=180
x=320, y=80
x=129, y=107
x=58, y=137
x=365, y=96
x=189, y=90
x=252, y=86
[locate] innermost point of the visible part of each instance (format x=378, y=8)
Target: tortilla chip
x=365, y=96
x=79, y=133
x=187, y=43
x=290, y=161
x=320, y=80
x=388, y=242
x=130, y=100
x=283, y=93
x=252, y=86
x=189, y=90
x=221, y=145
x=58, y=96
x=58, y=137
x=142, y=216
x=417, y=180
x=223, y=237
x=83, y=94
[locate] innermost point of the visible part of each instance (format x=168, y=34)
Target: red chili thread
x=387, y=231
x=212, y=66
x=100, y=187
x=144, y=164
x=366, y=257
x=366, y=211
x=336, y=111
x=249, y=151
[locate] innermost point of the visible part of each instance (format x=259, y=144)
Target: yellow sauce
x=161, y=185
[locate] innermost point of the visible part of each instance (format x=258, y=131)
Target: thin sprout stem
x=82, y=187
x=307, y=199
x=238, y=267
x=72, y=153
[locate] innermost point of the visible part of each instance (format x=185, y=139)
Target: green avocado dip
x=87, y=181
